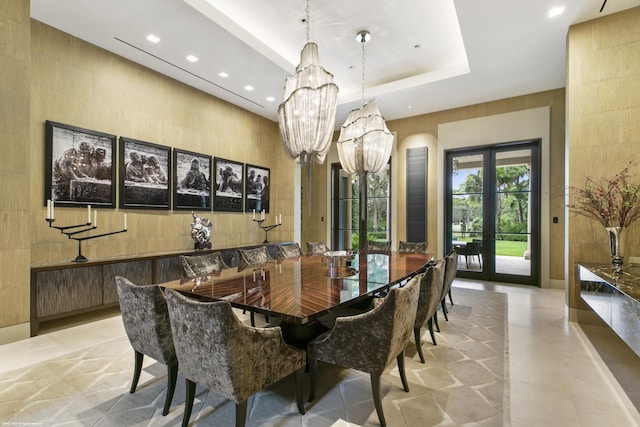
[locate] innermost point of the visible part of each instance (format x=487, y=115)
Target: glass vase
x=615, y=235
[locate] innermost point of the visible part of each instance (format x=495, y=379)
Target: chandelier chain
x=307, y=18
x=363, y=69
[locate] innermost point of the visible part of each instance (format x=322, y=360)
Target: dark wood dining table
x=298, y=291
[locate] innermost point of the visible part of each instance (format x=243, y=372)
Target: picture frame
x=79, y=166
x=229, y=189
x=192, y=181
x=145, y=174
x=257, y=188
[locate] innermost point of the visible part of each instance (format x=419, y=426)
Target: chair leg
x=241, y=413
x=188, y=403
x=416, y=335
x=136, y=371
x=450, y=299
x=403, y=375
x=433, y=336
x=299, y=397
x=313, y=376
x=435, y=320
x=172, y=375
x=253, y=319
x=444, y=309
x=377, y=400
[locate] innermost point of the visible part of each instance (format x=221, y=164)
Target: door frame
x=489, y=197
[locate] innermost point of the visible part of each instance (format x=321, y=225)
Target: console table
x=69, y=288
x=615, y=297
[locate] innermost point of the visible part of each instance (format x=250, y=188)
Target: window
x=345, y=200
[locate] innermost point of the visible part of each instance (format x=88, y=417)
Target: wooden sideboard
x=71, y=288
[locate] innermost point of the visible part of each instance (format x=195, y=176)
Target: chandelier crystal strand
x=307, y=116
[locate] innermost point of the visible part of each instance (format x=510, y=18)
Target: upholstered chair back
x=289, y=251
x=378, y=247
x=146, y=320
x=412, y=247
x=252, y=257
x=218, y=351
x=200, y=265
x=431, y=284
x=317, y=247
x=451, y=266
x=368, y=342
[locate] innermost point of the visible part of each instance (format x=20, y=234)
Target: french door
x=492, y=211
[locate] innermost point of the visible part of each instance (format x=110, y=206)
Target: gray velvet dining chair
x=412, y=247
x=289, y=251
x=378, y=247
x=200, y=265
x=450, y=268
x=317, y=248
x=226, y=356
x=146, y=322
x=252, y=257
x=369, y=342
x=431, y=284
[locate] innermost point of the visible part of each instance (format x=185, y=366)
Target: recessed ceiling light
x=409, y=106
x=153, y=39
x=555, y=11
x=192, y=58
x=223, y=74
x=248, y=87
x=270, y=98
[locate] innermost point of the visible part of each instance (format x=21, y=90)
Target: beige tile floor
x=561, y=373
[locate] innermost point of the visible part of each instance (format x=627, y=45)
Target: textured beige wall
x=79, y=84
x=423, y=130
x=15, y=68
x=603, y=124
x=314, y=220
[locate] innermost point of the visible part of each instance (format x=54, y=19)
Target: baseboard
x=15, y=333
x=585, y=316
x=556, y=284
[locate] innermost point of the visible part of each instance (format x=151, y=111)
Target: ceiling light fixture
x=223, y=74
x=364, y=146
x=270, y=98
x=365, y=142
x=152, y=38
x=248, y=88
x=308, y=114
x=192, y=58
x=556, y=11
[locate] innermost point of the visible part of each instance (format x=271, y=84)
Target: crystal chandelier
x=307, y=115
x=365, y=142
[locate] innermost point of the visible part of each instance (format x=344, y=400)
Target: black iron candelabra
x=78, y=229
x=266, y=228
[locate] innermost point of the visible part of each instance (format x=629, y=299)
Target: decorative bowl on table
x=339, y=264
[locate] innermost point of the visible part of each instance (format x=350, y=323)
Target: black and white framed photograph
x=257, y=189
x=78, y=166
x=145, y=174
x=192, y=186
x=229, y=185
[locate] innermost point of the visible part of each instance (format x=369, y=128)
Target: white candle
x=89, y=214
x=125, y=221
x=262, y=214
x=280, y=219
x=53, y=214
x=95, y=218
x=48, y=208
x=254, y=214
